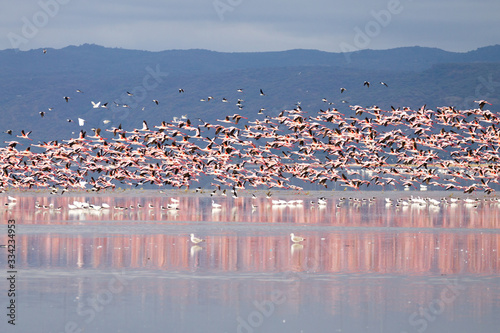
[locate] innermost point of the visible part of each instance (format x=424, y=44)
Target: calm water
x=365, y=266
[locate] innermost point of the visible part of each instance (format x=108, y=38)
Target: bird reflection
x=296, y=247
x=194, y=249
x=239, y=248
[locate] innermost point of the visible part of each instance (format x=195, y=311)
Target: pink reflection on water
x=357, y=253
x=345, y=236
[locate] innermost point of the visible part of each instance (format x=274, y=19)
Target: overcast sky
x=251, y=25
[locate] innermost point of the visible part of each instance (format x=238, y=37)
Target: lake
x=365, y=265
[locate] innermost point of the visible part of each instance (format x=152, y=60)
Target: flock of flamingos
x=400, y=147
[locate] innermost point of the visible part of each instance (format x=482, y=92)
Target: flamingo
x=24, y=135
x=482, y=103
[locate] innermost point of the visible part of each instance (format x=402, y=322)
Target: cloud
x=256, y=25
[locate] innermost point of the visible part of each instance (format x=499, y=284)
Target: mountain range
x=37, y=81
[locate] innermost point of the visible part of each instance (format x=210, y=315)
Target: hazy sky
x=251, y=25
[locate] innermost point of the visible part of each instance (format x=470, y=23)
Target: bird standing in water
x=195, y=239
x=296, y=239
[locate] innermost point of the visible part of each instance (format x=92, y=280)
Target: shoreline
x=245, y=193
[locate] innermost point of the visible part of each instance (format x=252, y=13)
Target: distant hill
x=33, y=81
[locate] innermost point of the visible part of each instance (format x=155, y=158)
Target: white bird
x=418, y=200
x=10, y=204
x=11, y=198
x=196, y=240
x=95, y=105
x=296, y=239
x=80, y=204
x=433, y=201
x=170, y=207
x=81, y=121
x=216, y=205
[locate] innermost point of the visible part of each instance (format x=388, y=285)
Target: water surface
x=365, y=265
